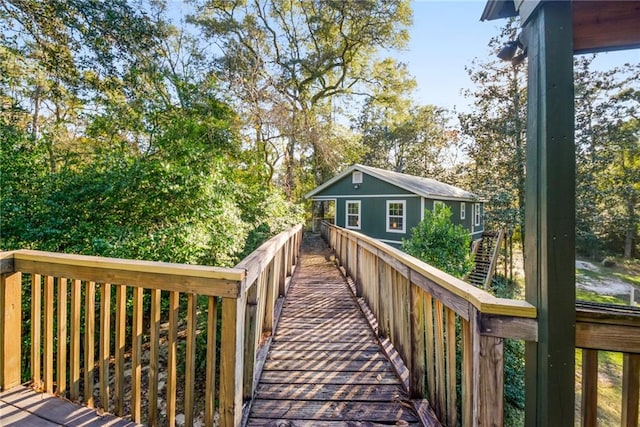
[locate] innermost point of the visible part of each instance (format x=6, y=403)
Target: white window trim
x=404, y=217
x=463, y=210
x=346, y=214
x=477, y=214
x=356, y=177
x=438, y=203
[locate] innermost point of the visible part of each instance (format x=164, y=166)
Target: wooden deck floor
x=21, y=406
x=325, y=366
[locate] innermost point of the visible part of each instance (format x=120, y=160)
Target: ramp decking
x=21, y=406
x=325, y=365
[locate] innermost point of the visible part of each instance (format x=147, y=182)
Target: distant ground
x=618, y=285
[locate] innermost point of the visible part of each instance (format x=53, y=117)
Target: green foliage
x=440, y=243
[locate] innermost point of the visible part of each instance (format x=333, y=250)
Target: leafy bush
x=440, y=243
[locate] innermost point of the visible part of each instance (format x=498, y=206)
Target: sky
x=446, y=36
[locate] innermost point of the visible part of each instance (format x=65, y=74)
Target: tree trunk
x=631, y=227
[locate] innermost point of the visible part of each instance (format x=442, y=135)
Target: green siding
x=373, y=195
x=369, y=186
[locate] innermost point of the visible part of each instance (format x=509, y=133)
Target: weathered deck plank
x=325, y=365
x=21, y=406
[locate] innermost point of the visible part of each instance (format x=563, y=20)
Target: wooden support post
x=550, y=215
x=231, y=360
x=10, y=329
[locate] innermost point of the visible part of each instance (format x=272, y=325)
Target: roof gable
x=425, y=187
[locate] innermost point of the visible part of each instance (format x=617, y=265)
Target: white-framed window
x=463, y=210
x=352, y=214
x=396, y=216
x=356, y=177
x=478, y=214
x=437, y=204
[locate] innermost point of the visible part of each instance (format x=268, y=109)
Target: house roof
x=425, y=187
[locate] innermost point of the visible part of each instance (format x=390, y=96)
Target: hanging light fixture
x=508, y=52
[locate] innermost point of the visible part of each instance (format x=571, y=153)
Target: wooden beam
x=605, y=25
x=550, y=216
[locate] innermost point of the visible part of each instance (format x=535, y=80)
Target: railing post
x=491, y=381
x=10, y=329
x=231, y=360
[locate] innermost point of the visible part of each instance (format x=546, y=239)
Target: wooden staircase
x=485, y=251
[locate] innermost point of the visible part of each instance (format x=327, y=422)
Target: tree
x=440, y=243
x=494, y=135
x=288, y=63
x=607, y=182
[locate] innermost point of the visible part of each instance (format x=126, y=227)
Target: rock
x=179, y=419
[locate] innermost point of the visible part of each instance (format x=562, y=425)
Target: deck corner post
x=232, y=360
x=10, y=329
x=550, y=215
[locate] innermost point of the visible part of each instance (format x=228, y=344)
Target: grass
x=609, y=387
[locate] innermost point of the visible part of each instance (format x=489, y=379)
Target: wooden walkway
x=21, y=406
x=325, y=365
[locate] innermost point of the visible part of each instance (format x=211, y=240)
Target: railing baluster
x=61, y=369
x=430, y=344
x=210, y=383
x=49, y=339
x=104, y=347
x=121, y=324
x=630, y=389
x=418, y=351
x=172, y=357
x=36, y=329
x=452, y=412
x=589, y=388
x=74, y=324
x=154, y=339
x=136, y=352
x=441, y=398
x=467, y=373
x=89, y=337
x=190, y=362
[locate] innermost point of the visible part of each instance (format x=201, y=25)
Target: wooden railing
x=616, y=329
x=72, y=302
x=431, y=317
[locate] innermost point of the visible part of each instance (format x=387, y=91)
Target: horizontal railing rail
x=86, y=328
x=438, y=324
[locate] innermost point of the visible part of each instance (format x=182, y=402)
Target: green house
x=386, y=205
